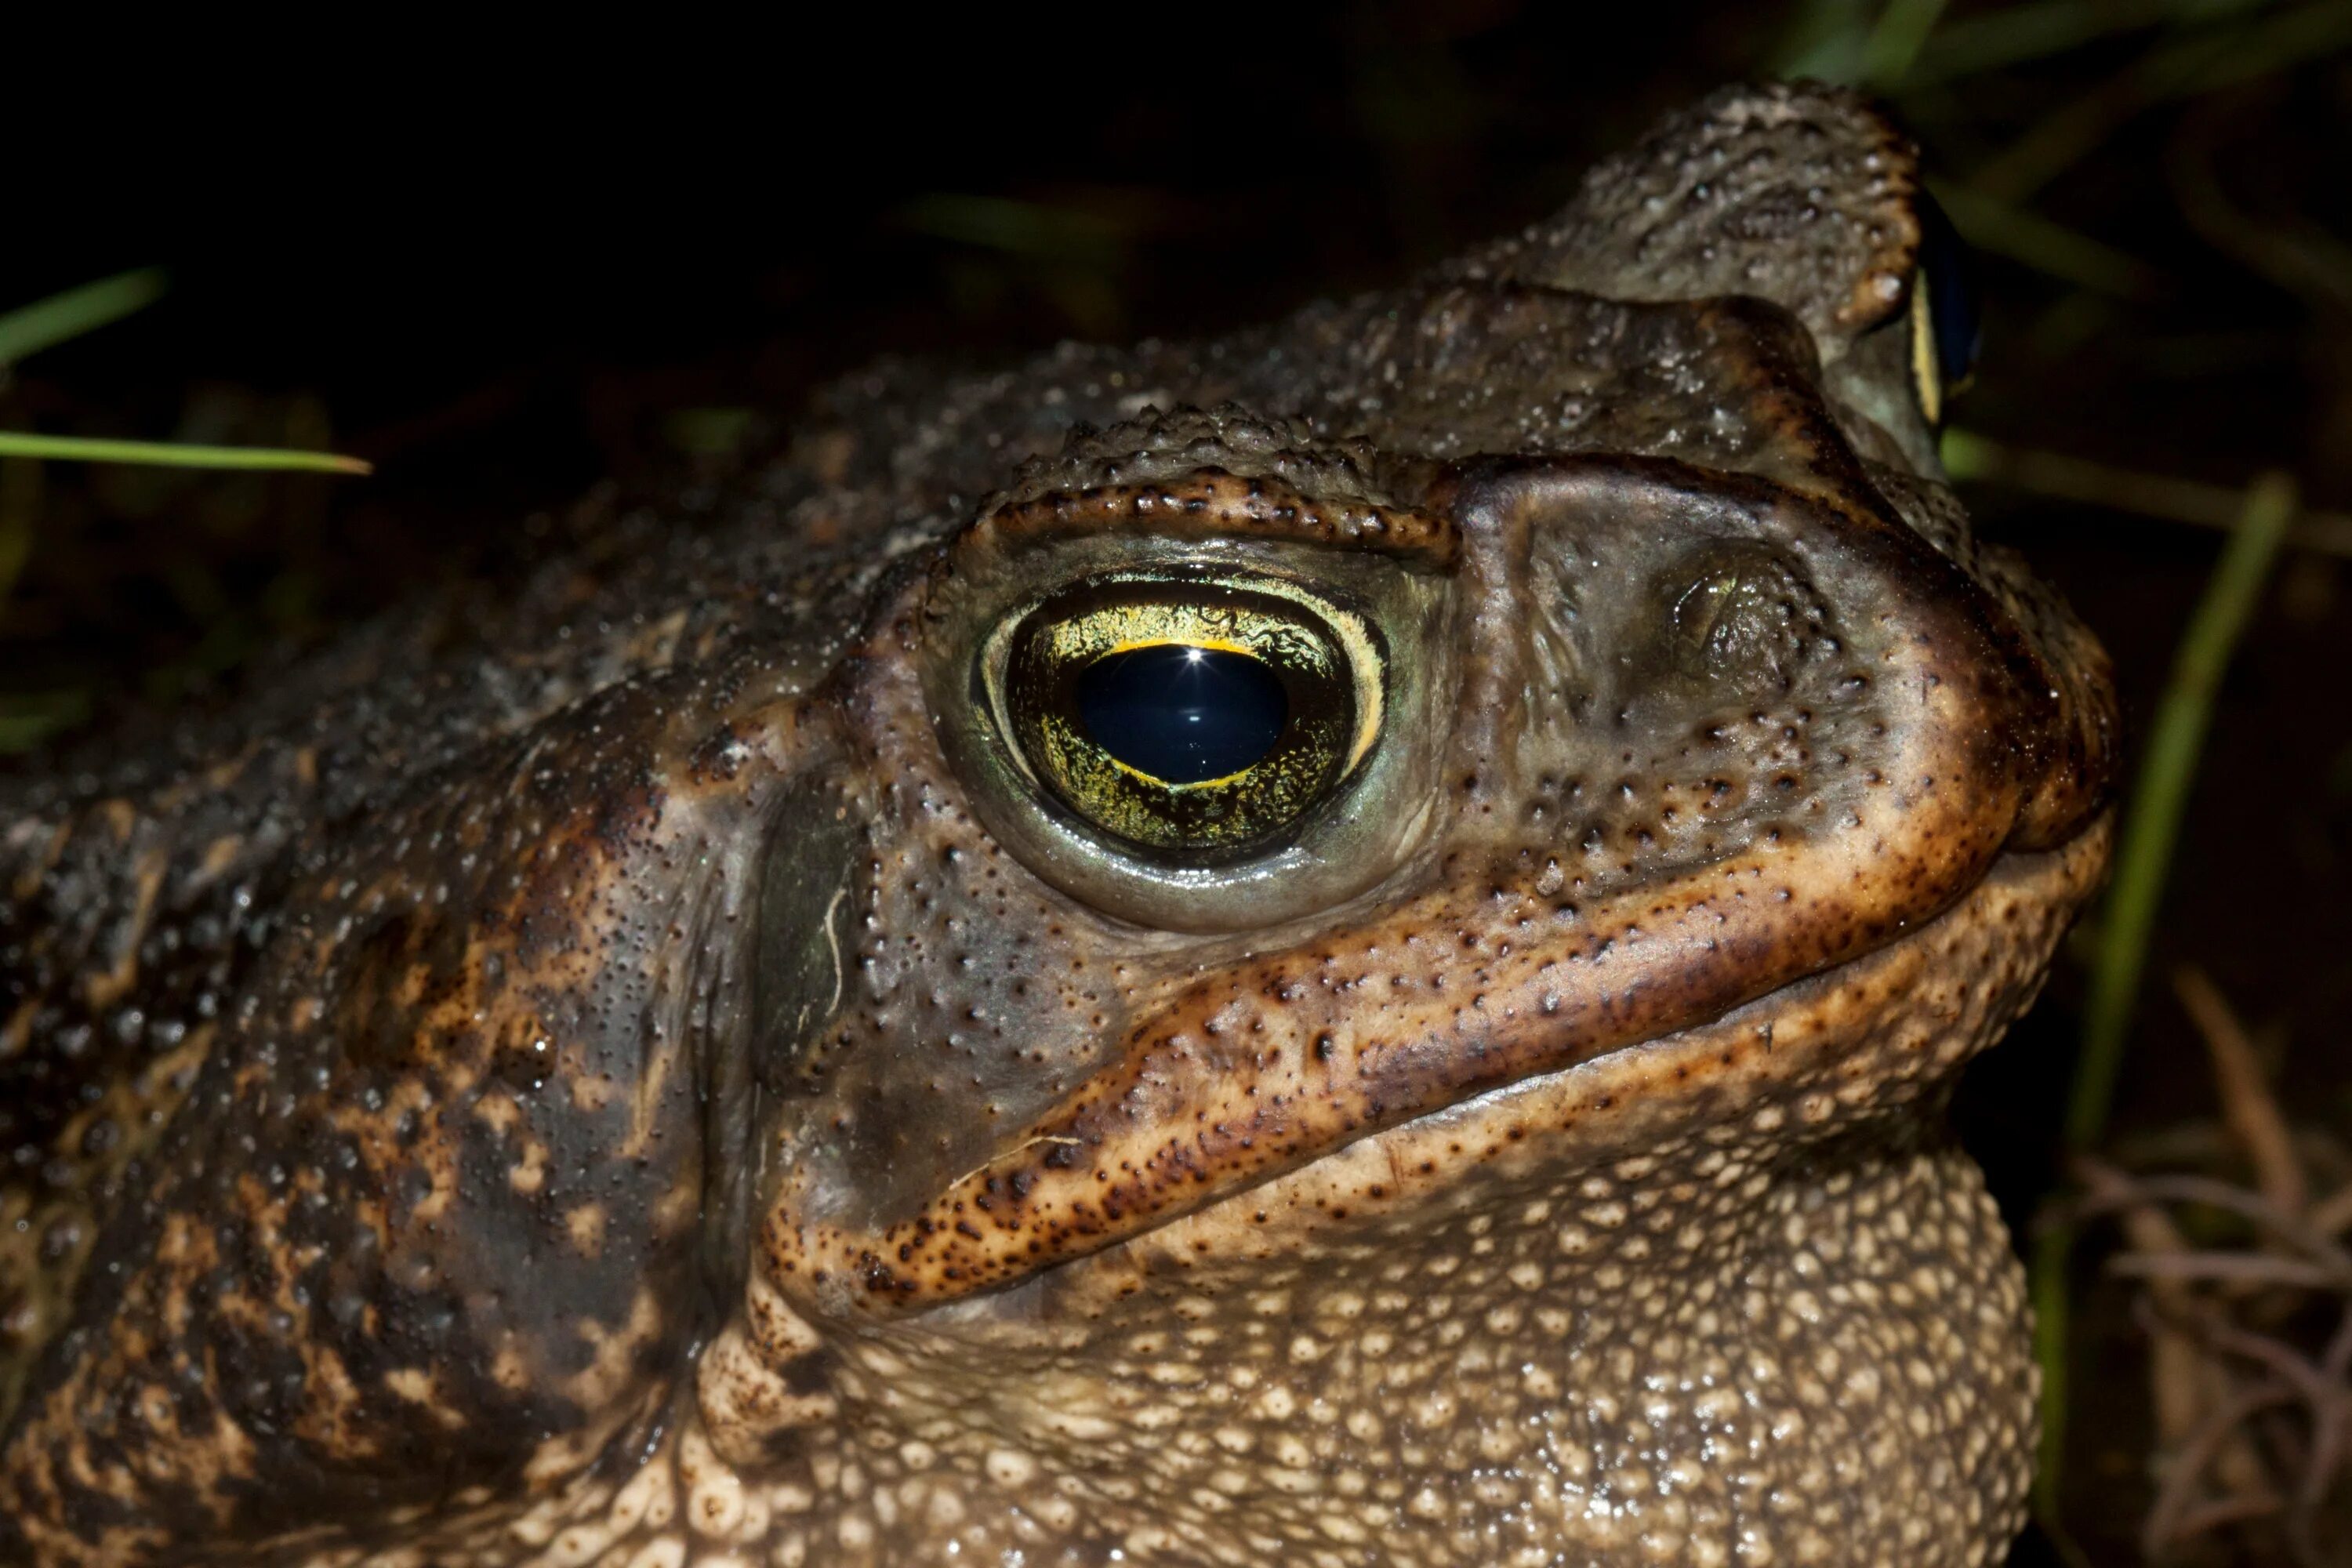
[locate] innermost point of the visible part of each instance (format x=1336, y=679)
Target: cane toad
x=1338, y=946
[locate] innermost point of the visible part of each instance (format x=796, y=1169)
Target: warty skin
x=648, y=1069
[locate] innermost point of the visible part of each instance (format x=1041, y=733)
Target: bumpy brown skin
x=630, y=1074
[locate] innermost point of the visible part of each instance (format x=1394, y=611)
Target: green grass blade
x=2205, y=61
x=1896, y=42
x=1033, y=230
x=28, y=719
x=20, y=498
x=45, y=324
x=1823, y=41
x=1972, y=456
x=2049, y=248
x=2152, y=822
x=2143, y=858
x=175, y=453
x=2019, y=34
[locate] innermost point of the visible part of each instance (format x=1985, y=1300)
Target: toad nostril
x=1737, y=617
x=1699, y=612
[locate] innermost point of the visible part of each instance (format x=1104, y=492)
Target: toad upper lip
x=1158, y=1134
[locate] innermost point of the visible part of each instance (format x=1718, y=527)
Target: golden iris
x=1202, y=720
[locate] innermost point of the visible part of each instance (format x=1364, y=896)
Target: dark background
x=509, y=271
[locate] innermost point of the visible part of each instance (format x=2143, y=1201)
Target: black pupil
x=1182, y=713
x=1955, y=314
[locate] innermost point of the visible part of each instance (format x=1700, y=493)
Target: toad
x=1343, y=946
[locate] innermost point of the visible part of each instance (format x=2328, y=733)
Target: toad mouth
x=1349, y=1125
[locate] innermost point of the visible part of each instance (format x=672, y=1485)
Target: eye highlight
x=1202, y=721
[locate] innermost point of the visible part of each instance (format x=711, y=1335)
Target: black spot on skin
x=810, y=1371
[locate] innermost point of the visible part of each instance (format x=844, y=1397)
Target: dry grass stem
x=2247, y=1303
x=2332, y=1215
x=2246, y=1099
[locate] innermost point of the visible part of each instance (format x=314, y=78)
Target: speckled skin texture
x=636, y=1072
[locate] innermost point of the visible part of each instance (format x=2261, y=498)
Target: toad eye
x=1947, y=319
x=1200, y=721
